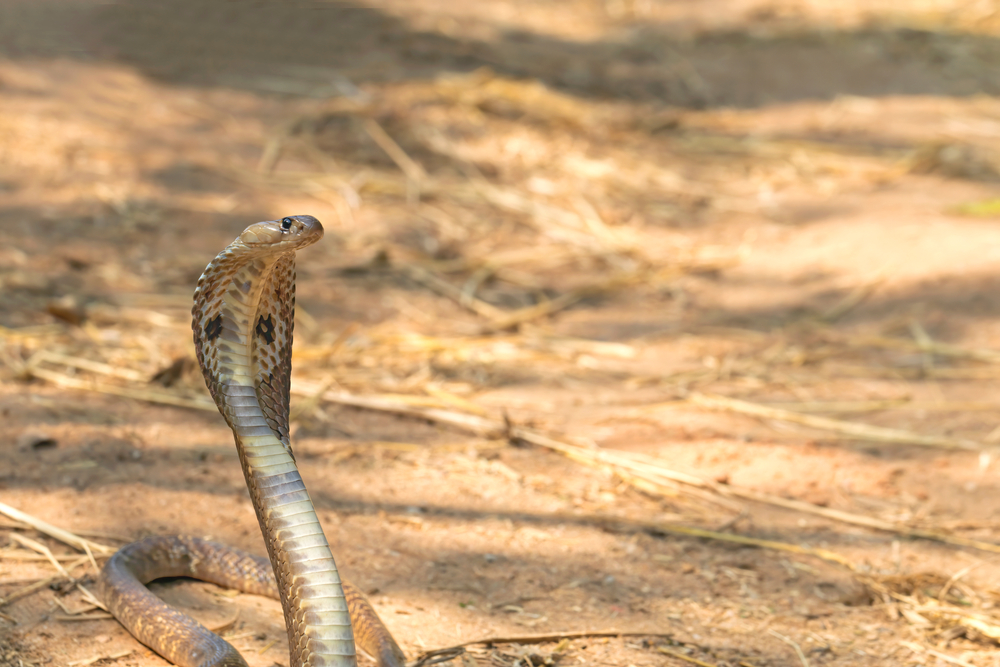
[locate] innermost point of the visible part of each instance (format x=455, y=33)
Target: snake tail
x=182, y=640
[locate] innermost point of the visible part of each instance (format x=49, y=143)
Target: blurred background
x=673, y=324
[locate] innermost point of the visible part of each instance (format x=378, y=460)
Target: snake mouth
x=295, y=231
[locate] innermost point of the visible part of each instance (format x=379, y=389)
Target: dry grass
x=489, y=211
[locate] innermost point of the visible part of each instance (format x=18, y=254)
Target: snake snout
x=302, y=224
x=302, y=230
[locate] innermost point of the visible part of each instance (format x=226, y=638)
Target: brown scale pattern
x=272, y=362
x=182, y=639
x=173, y=635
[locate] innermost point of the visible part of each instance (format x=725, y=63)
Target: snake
x=242, y=320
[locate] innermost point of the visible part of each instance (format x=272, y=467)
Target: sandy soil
x=786, y=203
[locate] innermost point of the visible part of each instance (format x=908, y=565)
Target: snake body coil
x=242, y=321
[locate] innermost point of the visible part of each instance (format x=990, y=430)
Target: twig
x=850, y=429
x=443, y=287
x=311, y=402
x=880, y=406
x=861, y=520
x=86, y=532
x=29, y=589
x=917, y=648
x=617, y=239
x=13, y=525
x=275, y=145
x=853, y=299
x=472, y=284
x=943, y=593
x=554, y=637
x=482, y=426
x=96, y=616
x=90, y=555
x=645, y=467
x=90, y=661
x=488, y=427
x=36, y=331
x=547, y=219
x=412, y=170
x=20, y=554
x=538, y=311
x=917, y=613
x=824, y=554
x=638, y=464
x=794, y=645
x=563, y=301
x=139, y=393
x=225, y=626
x=428, y=657
x=52, y=531
x=84, y=364
x=501, y=320
x=933, y=347
x=457, y=401
x=65, y=607
x=546, y=256
x=42, y=549
x=686, y=658
x=924, y=340
x=661, y=486
x=272, y=153
x=648, y=469
x=91, y=598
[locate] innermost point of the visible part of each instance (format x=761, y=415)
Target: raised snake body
x=242, y=321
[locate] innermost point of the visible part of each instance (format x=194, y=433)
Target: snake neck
x=312, y=597
x=244, y=346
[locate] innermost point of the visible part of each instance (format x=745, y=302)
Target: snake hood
x=253, y=278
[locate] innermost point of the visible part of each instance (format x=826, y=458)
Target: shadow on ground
x=321, y=49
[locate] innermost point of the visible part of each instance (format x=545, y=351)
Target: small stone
x=36, y=440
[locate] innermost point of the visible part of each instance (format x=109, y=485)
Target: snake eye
x=286, y=223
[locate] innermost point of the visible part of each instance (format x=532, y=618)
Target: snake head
x=292, y=232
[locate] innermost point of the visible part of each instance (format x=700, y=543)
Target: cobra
x=242, y=319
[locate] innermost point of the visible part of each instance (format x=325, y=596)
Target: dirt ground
x=643, y=332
